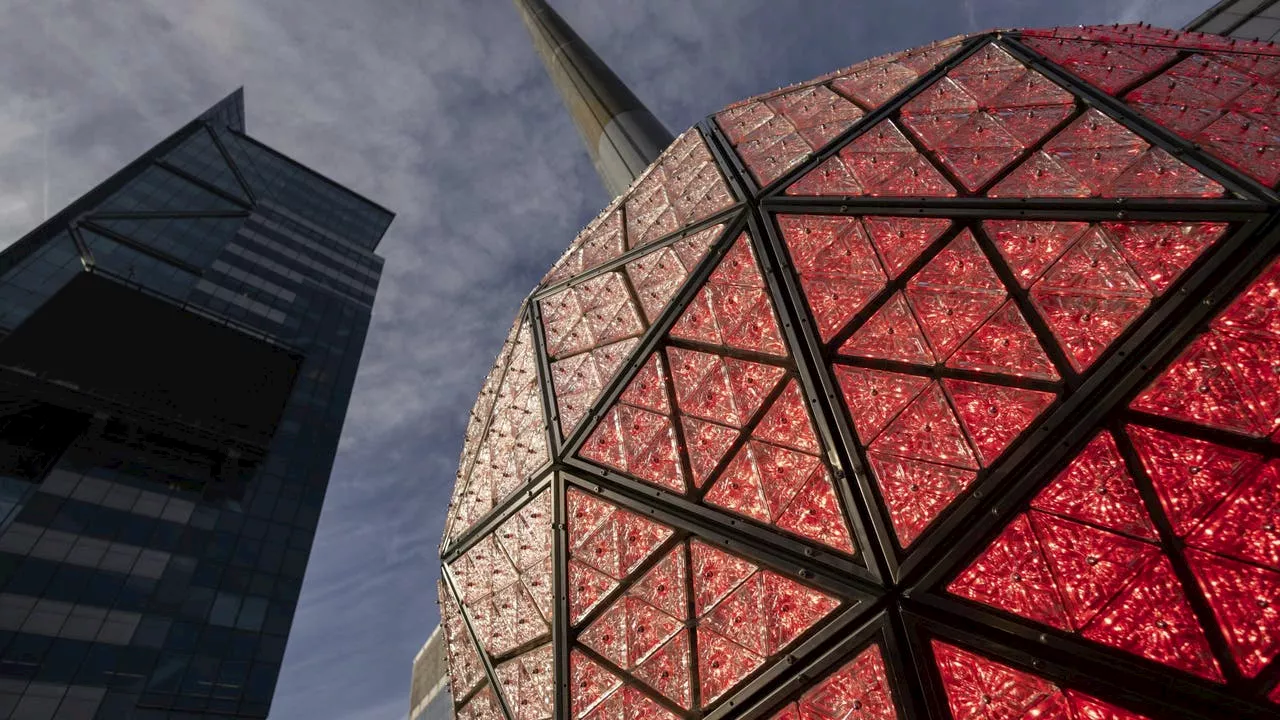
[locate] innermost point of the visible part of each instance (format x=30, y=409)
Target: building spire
x=622, y=136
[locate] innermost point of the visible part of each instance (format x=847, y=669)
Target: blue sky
x=439, y=110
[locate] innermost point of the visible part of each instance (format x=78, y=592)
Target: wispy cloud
x=439, y=111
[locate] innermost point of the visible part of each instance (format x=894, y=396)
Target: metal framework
x=899, y=600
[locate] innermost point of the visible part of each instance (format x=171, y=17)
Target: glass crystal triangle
x=1006, y=345
x=1246, y=602
x=875, y=397
x=1190, y=476
x=837, y=266
x=892, y=333
x=1096, y=488
x=927, y=430
x=916, y=492
x=978, y=688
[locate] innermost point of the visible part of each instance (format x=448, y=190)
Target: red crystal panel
x=979, y=688
x=892, y=333
x=774, y=135
x=1089, y=297
x=985, y=113
x=1224, y=501
x=858, y=691
x=1191, y=476
x=636, y=435
x=606, y=543
x=1005, y=345
x=954, y=294
x=1066, y=564
x=733, y=309
x=1110, y=67
x=1091, y=282
x=777, y=477
x=879, y=162
x=1246, y=601
x=1095, y=156
x=1227, y=377
x=528, y=682
x=836, y=264
x=1222, y=105
x=1142, y=35
x=681, y=188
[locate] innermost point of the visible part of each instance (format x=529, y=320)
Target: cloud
x=439, y=110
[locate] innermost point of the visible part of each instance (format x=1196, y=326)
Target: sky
x=439, y=110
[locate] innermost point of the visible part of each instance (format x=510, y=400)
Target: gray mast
x=622, y=136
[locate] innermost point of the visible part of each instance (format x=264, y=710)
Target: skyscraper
x=1242, y=19
x=942, y=386
x=429, y=686
x=177, y=352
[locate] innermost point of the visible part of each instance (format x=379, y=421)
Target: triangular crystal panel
x=1114, y=589
x=837, y=266
x=733, y=309
x=879, y=162
x=979, y=688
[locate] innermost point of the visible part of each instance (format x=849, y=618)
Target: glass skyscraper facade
x=177, y=353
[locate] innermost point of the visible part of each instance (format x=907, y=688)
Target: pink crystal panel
x=746, y=616
x=1096, y=156
x=879, y=162
x=659, y=275
x=636, y=435
x=777, y=477
x=1226, y=378
x=681, y=188
x=774, y=135
x=482, y=706
x=859, y=690
x=506, y=440
x=578, y=380
x=606, y=303
x=606, y=544
x=874, y=82
x=1083, y=560
x=985, y=114
x=465, y=670
x=837, y=266
x=589, y=314
x=979, y=688
x=733, y=309
x=509, y=595
x=599, y=243
x=528, y=684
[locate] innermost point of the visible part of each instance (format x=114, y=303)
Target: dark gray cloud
x=438, y=110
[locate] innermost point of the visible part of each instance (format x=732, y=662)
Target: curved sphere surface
x=941, y=386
